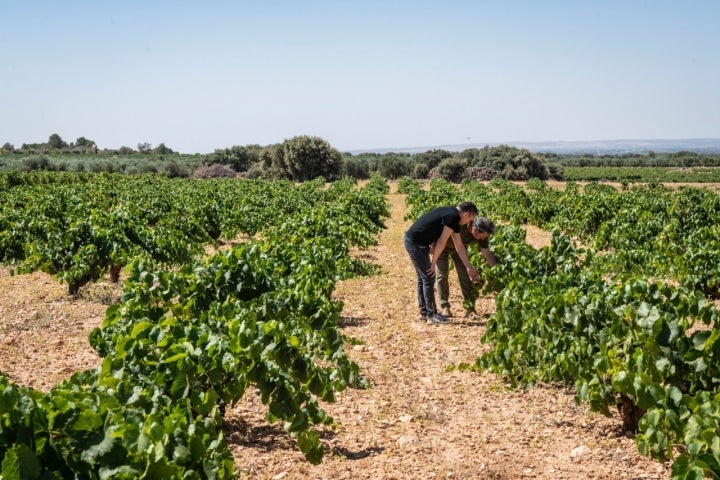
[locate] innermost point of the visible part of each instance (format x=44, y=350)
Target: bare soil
x=421, y=419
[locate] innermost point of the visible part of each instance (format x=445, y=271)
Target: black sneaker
x=436, y=319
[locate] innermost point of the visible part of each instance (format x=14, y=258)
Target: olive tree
x=240, y=158
x=271, y=163
x=356, y=168
x=452, y=169
x=56, y=142
x=394, y=167
x=512, y=163
x=432, y=158
x=307, y=157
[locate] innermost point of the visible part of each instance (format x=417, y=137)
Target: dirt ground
x=420, y=420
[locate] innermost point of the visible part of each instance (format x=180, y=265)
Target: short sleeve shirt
x=428, y=228
x=467, y=238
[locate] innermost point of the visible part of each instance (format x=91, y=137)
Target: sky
x=362, y=75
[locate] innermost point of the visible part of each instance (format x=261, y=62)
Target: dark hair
x=484, y=224
x=467, y=207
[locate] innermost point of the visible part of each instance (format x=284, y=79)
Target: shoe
x=445, y=312
x=471, y=314
x=437, y=319
x=421, y=318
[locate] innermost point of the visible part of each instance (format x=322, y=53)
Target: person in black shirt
x=429, y=235
x=476, y=232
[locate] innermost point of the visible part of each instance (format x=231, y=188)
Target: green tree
x=432, y=158
x=125, y=150
x=393, y=167
x=162, y=149
x=309, y=157
x=421, y=170
x=144, y=147
x=356, y=168
x=512, y=163
x=7, y=148
x=240, y=158
x=55, y=142
x=453, y=169
x=272, y=163
x=555, y=171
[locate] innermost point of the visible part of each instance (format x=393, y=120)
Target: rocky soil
x=422, y=418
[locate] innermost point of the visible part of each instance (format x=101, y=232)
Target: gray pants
x=442, y=271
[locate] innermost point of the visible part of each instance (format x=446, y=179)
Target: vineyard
x=628, y=320
x=242, y=298
x=190, y=334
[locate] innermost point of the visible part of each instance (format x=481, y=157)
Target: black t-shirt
x=428, y=228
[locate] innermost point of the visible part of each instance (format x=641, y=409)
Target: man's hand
x=431, y=271
x=473, y=273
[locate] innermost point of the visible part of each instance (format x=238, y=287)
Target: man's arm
x=489, y=256
x=439, y=247
x=462, y=253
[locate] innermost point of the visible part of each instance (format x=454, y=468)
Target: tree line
x=305, y=157
x=299, y=158
x=680, y=159
x=82, y=145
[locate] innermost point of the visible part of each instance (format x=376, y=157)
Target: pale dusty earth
x=420, y=420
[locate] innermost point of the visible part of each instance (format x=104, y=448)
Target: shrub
x=393, y=167
x=555, y=170
x=175, y=171
x=356, y=168
x=512, y=163
x=452, y=169
x=306, y=158
x=239, y=158
x=432, y=158
x=37, y=163
x=421, y=170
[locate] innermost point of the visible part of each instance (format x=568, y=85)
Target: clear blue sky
x=361, y=75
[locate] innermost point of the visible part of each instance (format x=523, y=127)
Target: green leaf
x=175, y=358
x=699, y=364
x=622, y=382
x=675, y=394
x=300, y=422
x=700, y=338
x=692, y=429
x=695, y=447
x=647, y=316
x=139, y=328
x=652, y=418
x=123, y=471
x=309, y=444
x=90, y=455
x=20, y=463
x=8, y=399
x=87, y=421
x=661, y=363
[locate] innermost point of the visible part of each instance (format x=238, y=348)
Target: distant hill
x=597, y=147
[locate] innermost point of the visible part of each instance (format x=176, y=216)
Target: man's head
x=468, y=212
x=482, y=227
